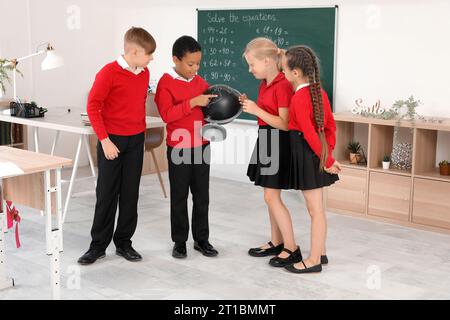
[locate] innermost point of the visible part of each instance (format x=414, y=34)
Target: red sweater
x=116, y=102
x=301, y=118
x=183, y=123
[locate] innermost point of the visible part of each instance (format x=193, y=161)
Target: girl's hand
x=250, y=107
x=337, y=165
x=109, y=149
x=335, y=168
x=242, y=98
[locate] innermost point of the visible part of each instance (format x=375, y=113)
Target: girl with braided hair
x=275, y=92
x=312, y=136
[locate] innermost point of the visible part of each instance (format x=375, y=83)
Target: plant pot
x=444, y=170
x=386, y=164
x=355, y=158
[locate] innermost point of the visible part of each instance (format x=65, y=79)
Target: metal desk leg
x=36, y=149
x=5, y=282
x=36, y=138
x=72, y=178
x=52, y=236
x=91, y=162
x=59, y=221
x=55, y=140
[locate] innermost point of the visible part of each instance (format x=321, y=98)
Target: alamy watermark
x=237, y=148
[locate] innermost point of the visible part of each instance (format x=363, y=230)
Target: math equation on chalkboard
x=220, y=38
x=224, y=34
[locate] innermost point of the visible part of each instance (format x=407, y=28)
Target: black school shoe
x=205, y=248
x=129, y=253
x=179, y=250
x=312, y=269
x=272, y=251
x=294, y=257
x=323, y=260
x=91, y=256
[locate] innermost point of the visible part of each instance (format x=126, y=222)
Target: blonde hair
x=264, y=48
x=142, y=38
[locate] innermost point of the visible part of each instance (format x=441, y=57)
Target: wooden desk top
x=31, y=162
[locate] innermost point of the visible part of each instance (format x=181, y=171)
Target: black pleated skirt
x=269, y=164
x=304, y=166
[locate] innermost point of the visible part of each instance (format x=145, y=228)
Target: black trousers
x=189, y=169
x=118, y=183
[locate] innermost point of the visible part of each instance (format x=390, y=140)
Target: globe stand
x=214, y=132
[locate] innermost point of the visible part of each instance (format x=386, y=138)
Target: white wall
x=387, y=49
x=15, y=42
x=86, y=44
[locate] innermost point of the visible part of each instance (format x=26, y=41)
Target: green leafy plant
x=4, y=77
x=386, y=158
x=410, y=104
x=444, y=168
x=411, y=114
x=354, y=146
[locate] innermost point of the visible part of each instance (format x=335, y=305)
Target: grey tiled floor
x=368, y=260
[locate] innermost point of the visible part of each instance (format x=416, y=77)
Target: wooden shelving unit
x=12, y=135
x=419, y=197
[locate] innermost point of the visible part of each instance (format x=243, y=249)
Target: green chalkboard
x=223, y=35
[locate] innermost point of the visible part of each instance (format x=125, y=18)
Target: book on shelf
x=5, y=133
x=10, y=133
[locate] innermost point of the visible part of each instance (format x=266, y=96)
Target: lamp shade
x=52, y=61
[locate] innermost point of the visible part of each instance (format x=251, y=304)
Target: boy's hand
x=109, y=149
x=201, y=100
x=335, y=168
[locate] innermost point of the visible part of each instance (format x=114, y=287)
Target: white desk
x=33, y=188
x=59, y=119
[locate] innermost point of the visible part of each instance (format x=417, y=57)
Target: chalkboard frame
x=336, y=17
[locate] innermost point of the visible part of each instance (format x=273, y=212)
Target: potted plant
x=5, y=67
x=354, y=147
x=386, y=162
x=444, y=168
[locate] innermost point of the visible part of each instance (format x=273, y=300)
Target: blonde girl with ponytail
x=272, y=110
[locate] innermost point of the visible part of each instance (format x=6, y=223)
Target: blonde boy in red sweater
x=116, y=110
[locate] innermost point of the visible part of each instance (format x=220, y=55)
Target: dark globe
x=225, y=107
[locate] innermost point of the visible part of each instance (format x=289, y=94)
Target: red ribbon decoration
x=12, y=214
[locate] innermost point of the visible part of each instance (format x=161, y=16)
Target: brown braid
x=304, y=58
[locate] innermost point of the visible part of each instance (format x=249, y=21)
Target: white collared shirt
x=124, y=64
x=175, y=75
x=303, y=85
